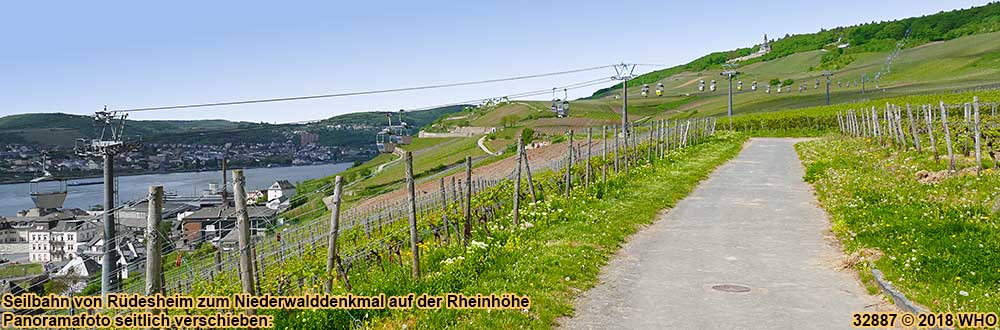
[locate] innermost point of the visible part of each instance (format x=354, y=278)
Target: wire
x=309, y=97
x=314, y=121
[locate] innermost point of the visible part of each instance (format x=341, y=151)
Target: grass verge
x=553, y=256
x=939, y=243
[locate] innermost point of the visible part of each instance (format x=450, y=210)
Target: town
x=22, y=162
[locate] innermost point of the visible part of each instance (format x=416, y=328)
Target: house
x=132, y=219
x=254, y=196
x=80, y=266
x=130, y=254
x=60, y=240
x=211, y=223
x=281, y=189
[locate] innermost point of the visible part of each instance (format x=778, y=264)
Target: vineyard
x=466, y=230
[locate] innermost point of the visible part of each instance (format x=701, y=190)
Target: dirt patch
x=860, y=256
x=928, y=177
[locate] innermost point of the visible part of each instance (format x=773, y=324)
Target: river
x=14, y=197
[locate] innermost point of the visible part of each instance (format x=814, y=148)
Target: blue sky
x=77, y=56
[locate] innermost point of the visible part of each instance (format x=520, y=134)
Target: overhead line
x=312, y=121
x=309, y=97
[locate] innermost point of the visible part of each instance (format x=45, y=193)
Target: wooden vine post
x=243, y=231
x=947, y=136
x=517, y=181
x=444, y=213
x=913, y=128
x=569, y=164
x=586, y=180
x=930, y=132
x=467, y=205
x=604, y=154
x=154, y=242
x=527, y=170
x=412, y=203
x=975, y=131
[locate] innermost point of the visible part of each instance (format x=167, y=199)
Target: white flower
x=526, y=225
x=478, y=244
x=963, y=293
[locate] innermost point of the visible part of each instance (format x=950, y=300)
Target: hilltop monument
x=765, y=47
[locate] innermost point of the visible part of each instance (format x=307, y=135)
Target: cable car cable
x=309, y=97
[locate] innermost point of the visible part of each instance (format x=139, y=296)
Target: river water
x=14, y=197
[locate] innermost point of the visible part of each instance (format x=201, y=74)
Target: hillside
x=62, y=129
x=862, y=38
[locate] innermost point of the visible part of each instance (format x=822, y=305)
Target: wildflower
x=963, y=293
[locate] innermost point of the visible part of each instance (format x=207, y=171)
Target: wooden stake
x=332, y=255
x=467, y=208
x=527, y=170
x=604, y=154
x=243, y=231
x=517, y=181
x=913, y=129
x=154, y=242
x=444, y=212
x=947, y=136
x=569, y=164
x=412, y=201
x=586, y=180
x=975, y=129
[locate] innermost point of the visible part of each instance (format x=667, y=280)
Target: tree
x=788, y=82
x=509, y=120
x=774, y=82
x=527, y=135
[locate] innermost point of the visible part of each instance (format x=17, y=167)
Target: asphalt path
x=753, y=226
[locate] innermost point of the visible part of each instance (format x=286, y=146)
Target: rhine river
x=14, y=197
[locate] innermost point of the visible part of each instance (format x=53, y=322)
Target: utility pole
x=111, y=143
x=623, y=72
x=828, y=75
x=730, y=73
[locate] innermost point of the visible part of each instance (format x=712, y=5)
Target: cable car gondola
x=645, y=90
x=712, y=87
x=560, y=107
x=659, y=89
x=701, y=85
x=753, y=86
x=739, y=85
x=47, y=191
x=385, y=139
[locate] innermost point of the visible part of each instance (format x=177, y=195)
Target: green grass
x=928, y=69
x=551, y=261
x=939, y=243
x=10, y=270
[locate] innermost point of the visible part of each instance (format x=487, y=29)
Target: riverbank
x=127, y=172
x=15, y=197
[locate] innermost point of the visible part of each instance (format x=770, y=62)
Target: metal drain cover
x=731, y=288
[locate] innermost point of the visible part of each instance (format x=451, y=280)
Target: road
x=752, y=224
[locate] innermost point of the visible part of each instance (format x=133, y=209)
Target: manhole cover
x=731, y=288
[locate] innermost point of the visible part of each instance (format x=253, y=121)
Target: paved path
x=753, y=223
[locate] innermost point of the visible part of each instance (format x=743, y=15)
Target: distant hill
x=862, y=38
x=62, y=129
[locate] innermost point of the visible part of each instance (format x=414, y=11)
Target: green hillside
x=62, y=129
x=862, y=38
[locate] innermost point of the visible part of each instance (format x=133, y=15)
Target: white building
x=61, y=242
x=281, y=189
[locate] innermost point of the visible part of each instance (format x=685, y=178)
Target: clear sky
x=77, y=56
